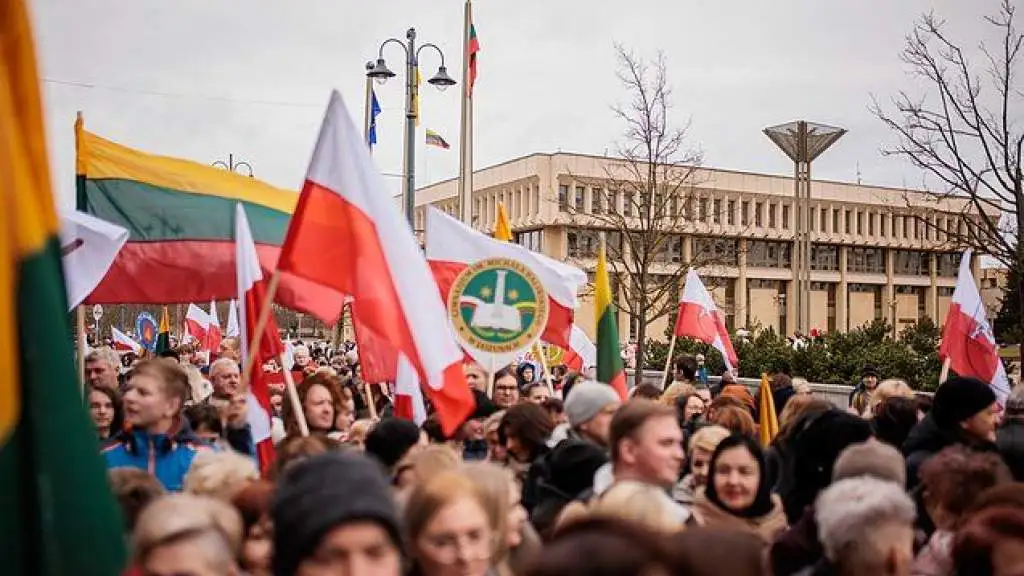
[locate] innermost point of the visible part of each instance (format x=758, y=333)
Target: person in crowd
x=297, y=449
x=570, y=380
x=518, y=543
x=320, y=397
x=106, y=412
x=337, y=362
x=157, y=440
x=393, y=442
x=590, y=409
x=303, y=359
x=526, y=374
x=334, y=514
x=645, y=390
x=134, y=489
x=345, y=415
x=449, y=529
x=1011, y=494
x=675, y=391
x=496, y=451
x=205, y=422
x=737, y=494
x=991, y=543
x=253, y=504
x=1010, y=435
x=952, y=481
x=646, y=446
x=692, y=409
x=605, y=547
x=641, y=503
x=866, y=526
x=556, y=409
x=893, y=420
x=860, y=398
x=779, y=455
x=220, y=474
x=187, y=534
x=924, y=404
x=716, y=551
x=738, y=394
x=102, y=368
x=963, y=412
x=430, y=461
x=726, y=379
x=537, y=392
x=817, y=441
x=782, y=391
x=799, y=547
x=700, y=448
x=231, y=348
x=736, y=420
x=888, y=388
x=801, y=387
x=686, y=370
x=357, y=433
x=476, y=376
x=525, y=430
x=225, y=377
x=506, y=389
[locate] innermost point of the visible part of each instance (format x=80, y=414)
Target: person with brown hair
x=646, y=446
x=517, y=543
x=779, y=455
x=736, y=420
x=604, y=547
x=506, y=389
x=253, y=504
x=952, y=480
x=321, y=400
x=296, y=449
x=736, y=394
x=524, y=431
x=991, y=543
x=715, y=551
x=105, y=410
x=187, y=534
x=134, y=489
x=157, y=440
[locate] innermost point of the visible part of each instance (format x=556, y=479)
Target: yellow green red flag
x=610, y=368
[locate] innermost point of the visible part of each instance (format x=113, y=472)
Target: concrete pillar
x=889, y=294
x=687, y=249
x=790, y=326
x=741, y=286
x=931, y=297
x=842, y=294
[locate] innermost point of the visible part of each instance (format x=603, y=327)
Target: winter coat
x=165, y=456
x=1010, y=441
x=780, y=397
x=928, y=439
x=798, y=547
x=563, y=475
x=767, y=527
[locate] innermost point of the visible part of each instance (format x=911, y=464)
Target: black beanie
x=390, y=439
x=322, y=493
x=958, y=399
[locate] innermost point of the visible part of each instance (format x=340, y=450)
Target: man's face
x=227, y=350
x=983, y=424
x=191, y=557
x=361, y=548
x=302, y=358
x=870, y=381
x=598, y=427
x=146, y=404
x=539, y=394
x=338, y=363
x=506, y=392
x=475, y=376
x=656, y=453
x=101, y=374
x=226, y=380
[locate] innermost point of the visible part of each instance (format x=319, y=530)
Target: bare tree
x=965, y=133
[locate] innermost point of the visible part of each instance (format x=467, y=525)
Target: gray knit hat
x=586, y=399
x=871, y=458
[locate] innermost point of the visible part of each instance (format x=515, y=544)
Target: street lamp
x=232, y=166
x=803, y=142
x=441, y=80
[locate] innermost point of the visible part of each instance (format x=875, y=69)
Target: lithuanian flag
x=181, y=219
x=57, y=515
x=163, y=335
x=609, y=359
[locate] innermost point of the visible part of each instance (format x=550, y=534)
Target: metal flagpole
x=466, y=131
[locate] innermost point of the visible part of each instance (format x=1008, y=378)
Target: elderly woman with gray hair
x=1010, y=435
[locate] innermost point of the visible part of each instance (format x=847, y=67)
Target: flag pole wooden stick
x=944, y=373
x=261, y=324
x=293, y=397
x=668, y=361
x=490, y=379
x=370, y=404
x=538, y=352
x=81, y=346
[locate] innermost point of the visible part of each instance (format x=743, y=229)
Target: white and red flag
x=967, y=339
x=251, y=295
x=124, y=342
x=452, y=247
x=197, y=324
x=581, y=353
x=699, y=318
x=346, y=235
x=232, y=319
x=213, y=335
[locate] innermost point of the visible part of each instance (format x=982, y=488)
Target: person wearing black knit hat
x=333, y=514
x=393, y=442
x=963, y=412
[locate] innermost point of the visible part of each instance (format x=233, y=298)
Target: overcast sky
x=199, y=79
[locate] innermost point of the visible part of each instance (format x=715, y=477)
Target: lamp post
x=381, y=73
x=803, y=142
x=232, y=166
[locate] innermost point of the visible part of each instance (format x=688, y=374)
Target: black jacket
x=928, y=439
x=798, y=547
x=1010, y=441
x=561, y=476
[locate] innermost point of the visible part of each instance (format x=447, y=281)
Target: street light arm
x=380, y=51
x=429, y=45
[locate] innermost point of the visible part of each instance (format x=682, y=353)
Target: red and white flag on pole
x=967, y=339
x=452, y=247
x=346, y=235
x=251, y=294
x=124, y=342
x=232, y=319
x=197, y=324
x=213, y=335
x=699, y=318
x=582, y=353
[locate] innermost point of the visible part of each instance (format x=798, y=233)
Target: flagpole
x=466, y=125
x=539, y=353
x=81, y=346
x=668, y=361
x=368, y=109
x=261, y=324
x=293, y=394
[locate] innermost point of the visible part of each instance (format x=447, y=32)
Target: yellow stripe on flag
x=165, y=322
x=502, y=228
x=768, y=425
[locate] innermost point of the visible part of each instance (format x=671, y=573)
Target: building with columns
x=877, y=252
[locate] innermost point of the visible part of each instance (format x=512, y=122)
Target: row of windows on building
x=583, y=243
x=773, y=215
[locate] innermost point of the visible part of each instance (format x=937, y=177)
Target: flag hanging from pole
x=213, y=335
x=233, y=319
x=502, y=228
x=610, y=369
x=374, y=112
x=474, y=48
x=700, y=319
x=435, y=139
x=124, y=343
x=163, y=336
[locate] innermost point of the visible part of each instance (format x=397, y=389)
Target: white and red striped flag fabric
x=197, y=324
x=345, y=234
x=581, y=353
x=452, y=247
x=251, y=294
x=213, y=334
x=124, y=342
x=967, y=339
x=232, y=319
x=699, y=318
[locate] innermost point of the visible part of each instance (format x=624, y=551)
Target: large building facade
x=877, y=252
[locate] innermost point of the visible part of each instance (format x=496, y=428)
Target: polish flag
x=197, y=324
x=408, y=396
x=213, y=335
x=232, y=319
x=346, y=235
x=700, y=319
x=581, y=353
x=251, y=295
x=452, y=247
x=967, y=339
x=124, y=342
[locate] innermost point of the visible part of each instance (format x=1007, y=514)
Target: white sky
x=201, y=78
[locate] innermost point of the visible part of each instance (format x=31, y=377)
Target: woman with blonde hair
x=700, y=448
x=640, y=503
x=889, y=388
x=517, y=542
x=220, y=474
x=450, y=527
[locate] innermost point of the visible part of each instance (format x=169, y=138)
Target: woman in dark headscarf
x=738, y=495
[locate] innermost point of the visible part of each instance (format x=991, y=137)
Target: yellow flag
x=502, y=229
x=768, y=426
x=416, y=96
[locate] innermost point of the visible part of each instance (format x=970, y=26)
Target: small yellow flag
x=768, y=426
x=502, y=228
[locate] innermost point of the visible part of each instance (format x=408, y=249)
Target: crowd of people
x=556, y=476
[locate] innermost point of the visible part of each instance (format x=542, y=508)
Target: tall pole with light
x=803, y=142
x=381, y=73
